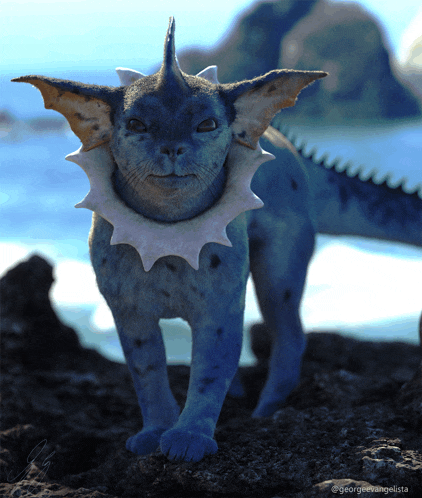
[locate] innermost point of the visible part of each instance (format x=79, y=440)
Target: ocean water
x=359, y=287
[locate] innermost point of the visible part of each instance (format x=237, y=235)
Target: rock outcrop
x=253, y=45
x=411, y=70
x=354, y=421
x=339, y=38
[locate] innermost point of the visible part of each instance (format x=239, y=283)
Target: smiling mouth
x=171, y=181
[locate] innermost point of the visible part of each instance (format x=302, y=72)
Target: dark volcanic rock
x=314, y=35
x=355, y=419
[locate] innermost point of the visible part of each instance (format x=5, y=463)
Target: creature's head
x=170, y=132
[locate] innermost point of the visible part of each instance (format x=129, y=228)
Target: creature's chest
x=172, y=288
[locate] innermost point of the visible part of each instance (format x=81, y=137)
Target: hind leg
x=279, y=261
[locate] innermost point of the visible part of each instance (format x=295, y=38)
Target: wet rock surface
x=354, y=421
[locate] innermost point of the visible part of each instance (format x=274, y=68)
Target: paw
x=186, y=446
x=146, y=441
x=275, y=394
x=270, y=403
x=267, y=408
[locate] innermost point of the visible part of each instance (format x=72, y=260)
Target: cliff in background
x=411, y=71
x=342, y=39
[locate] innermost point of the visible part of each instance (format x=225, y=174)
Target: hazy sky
x=56, y=33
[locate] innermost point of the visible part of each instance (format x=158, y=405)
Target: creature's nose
x=172, y=150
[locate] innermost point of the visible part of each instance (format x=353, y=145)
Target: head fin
x=170, y=72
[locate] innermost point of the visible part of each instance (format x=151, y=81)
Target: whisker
x=206, y=177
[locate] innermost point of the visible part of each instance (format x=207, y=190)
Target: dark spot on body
x=171, y=267
x=287, y=295
x=196, y=291
x=257, y=86
x=104, y=261
x=165, y=293
x=81, y=117
x=148, y=369
x=294, y=184
x=256, y=244
x=151, y=368
x=138, y=343
x=220, y=331
x=343, y=197
x=205, y=382
x=216, y=367
x=272, y=88
x=96, y=127
x=242, y=134
x=215, y=261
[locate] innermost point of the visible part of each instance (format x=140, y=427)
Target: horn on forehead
x=170, y=71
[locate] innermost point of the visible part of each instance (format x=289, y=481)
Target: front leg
x=143, y=347
x=215, y=355
x=120, y=279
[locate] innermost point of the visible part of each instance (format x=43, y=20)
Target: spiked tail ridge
x=349, y=201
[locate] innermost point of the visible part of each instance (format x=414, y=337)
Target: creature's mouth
x=171, y=181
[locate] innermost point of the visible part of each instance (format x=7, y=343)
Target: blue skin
x=213, y=306
x=211, y=300
x=163, y=124
x=171, y=124
x=281, y=238
x=275, y=243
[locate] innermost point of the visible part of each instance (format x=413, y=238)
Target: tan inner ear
x=256, y=108
x=88, y=117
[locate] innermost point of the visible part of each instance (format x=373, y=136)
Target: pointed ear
x=257, y=101
x=128, y=76
x=87, y=108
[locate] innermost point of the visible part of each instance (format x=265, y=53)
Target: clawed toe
x=145, y=442
x=183, y=445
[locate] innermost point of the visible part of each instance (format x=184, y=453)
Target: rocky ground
x=355, y=419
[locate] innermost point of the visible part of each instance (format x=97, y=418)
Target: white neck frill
x=153, y=239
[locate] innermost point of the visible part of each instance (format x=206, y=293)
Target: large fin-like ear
x=87, y=108
x=257, y=101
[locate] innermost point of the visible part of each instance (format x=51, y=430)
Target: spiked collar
x=153, y=239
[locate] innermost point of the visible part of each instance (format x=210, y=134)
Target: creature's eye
x=136, y=126
x=207, y=125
